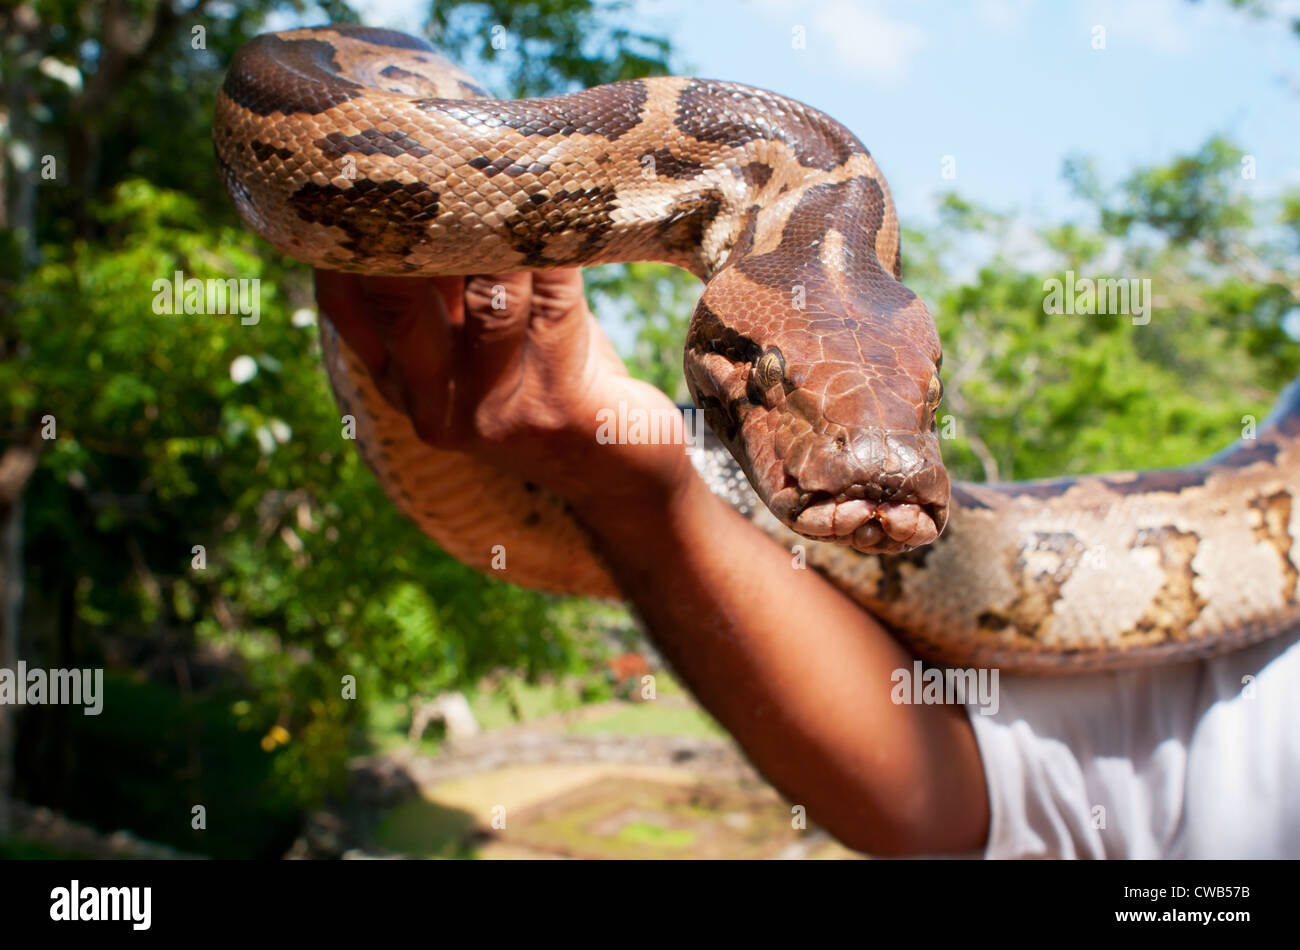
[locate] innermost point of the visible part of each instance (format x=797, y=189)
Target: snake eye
x=770, y=368
x=933, y=396
x=934, y=393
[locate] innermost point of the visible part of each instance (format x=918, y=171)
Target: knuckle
x=498, y=300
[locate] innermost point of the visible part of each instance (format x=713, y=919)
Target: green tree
x=176, y=432
x=1037, y=394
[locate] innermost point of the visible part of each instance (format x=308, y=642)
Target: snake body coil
x=364, y=150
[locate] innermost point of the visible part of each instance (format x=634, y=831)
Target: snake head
x=832, y=416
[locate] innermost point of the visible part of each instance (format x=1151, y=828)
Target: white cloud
x=867, y=41
x=863, y=40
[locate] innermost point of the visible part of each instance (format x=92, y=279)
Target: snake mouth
x=870, y=527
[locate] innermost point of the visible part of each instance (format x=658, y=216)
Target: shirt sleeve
x=1144, y=764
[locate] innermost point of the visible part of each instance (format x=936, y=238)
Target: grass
x=493, y=708
x=496, y=709
x=420, y=828
x=651, y=719
x=390, y=720
x=644, y=834
x=636, y=818
x=511, y=702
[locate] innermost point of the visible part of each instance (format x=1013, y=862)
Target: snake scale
x=365, y=150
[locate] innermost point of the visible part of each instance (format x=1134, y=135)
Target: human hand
x=511, y=369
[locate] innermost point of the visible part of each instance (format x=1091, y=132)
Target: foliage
x=541, y=47
x=199, y=749
x=657, y=300
x=1036, y=394
x=177, y=431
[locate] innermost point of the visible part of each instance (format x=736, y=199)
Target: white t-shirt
x=1187, y=761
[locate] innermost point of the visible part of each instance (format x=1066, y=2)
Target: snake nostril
x=903, y=487
x=891, y=485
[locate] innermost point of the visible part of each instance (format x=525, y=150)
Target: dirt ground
x=560, y=787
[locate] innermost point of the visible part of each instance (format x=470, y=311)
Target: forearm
x=799, y=674
x=795, y=670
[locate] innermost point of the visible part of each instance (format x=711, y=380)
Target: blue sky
x=1009, y=88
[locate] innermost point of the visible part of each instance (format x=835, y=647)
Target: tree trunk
x=16, y=466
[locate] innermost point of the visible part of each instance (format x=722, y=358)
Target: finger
x=342, y=298
x=404, y=331
x=558, y=327
x=558, y=293
x=497, y=308
x=559, y=314
x=338, y=296
x=452, y=292
x=421, y=345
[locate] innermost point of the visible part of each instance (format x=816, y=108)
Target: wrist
x=645, y=508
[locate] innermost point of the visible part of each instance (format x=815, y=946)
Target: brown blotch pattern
x=1177, y=604
x=397, y=72
x=966, y=500
x=855, y=208
x=378, y=36
x=733, y=115
x=1050, y=488
x=264, y=151
x=1039, y=589
x=1248, y=454
x=755, y=174
x=507, y=164
x=709, y=334
x=682, y=229
x=270, y=75
x=538, y=220
x=1164, y=480
x=1271, y=524
x=664, y=163
x=380, y=218
x=370, y=142
x=890, y=585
